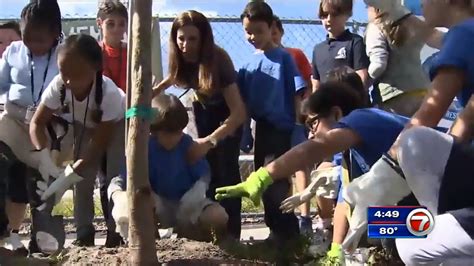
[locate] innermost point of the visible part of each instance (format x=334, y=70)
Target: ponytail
x=96, y=115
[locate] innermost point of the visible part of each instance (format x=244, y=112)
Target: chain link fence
x=229, y=34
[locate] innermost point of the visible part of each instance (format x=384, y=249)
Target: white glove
x=120, y=213
x=190, y=201
x=58, y=187
x=330, y=188
x=382, y=185
x=393, y=8
x=46, y=166
x=322, y=185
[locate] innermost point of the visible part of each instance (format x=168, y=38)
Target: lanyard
x=32, y=78
x=78, y=143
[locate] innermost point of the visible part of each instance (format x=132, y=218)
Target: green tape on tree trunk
x=143, y=112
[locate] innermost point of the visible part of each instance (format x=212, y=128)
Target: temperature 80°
x=388, y=230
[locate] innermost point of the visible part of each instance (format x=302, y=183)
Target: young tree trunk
x=141, y=242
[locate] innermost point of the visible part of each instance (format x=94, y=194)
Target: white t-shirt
x=112, y=106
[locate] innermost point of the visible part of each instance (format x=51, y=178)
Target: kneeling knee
x=214, y=216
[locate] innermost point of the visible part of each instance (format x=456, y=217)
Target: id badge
x=30, y=111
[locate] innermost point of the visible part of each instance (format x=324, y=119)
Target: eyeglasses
x=312, y=122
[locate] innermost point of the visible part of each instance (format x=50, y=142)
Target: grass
x=248, y=207
x=66, y=208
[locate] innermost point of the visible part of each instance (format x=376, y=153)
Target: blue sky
x=284, y=8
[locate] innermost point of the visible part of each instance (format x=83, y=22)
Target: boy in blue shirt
x=270, y=86
x=179, y=185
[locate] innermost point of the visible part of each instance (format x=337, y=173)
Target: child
x=394, y=51
x=342, y=48
x=340, y=123
x=270, y=86
x=9, y=32
x=96, y=108
x=331, y=207
x=112, y=21
x=304, y=68
x=437, y=167
x=179, y=186
x=26, y=69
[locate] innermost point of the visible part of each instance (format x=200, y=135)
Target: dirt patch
x=169, y=252
x=8, y=257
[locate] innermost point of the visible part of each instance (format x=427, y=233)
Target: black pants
x=17, y=183
x=271, y=143
x=13, y=185
x=224, y=163
x=223, y=159
x=106, y=204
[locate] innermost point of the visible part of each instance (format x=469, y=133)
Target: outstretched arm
x=302, y=156
x=312, y=151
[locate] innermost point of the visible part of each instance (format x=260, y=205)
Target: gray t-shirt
x=397, y=69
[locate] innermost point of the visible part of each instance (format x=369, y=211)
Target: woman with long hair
x=393, y=46
x=196, y=63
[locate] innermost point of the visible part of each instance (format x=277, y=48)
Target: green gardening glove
x=251, y=188
x=335, y=256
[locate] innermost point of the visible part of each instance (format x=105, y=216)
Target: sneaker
x=13, y=242
x=322, y=224
x=305, y=224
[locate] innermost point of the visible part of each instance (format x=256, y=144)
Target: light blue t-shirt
x=457, y=52
x=269, y=83
x=15, y=73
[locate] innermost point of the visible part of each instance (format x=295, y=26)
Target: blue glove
x=299, y=135
x=414, y=6
x=246, y=143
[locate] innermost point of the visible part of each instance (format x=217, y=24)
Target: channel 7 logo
x=399, y=222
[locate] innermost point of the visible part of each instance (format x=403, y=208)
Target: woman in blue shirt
x=26, y=69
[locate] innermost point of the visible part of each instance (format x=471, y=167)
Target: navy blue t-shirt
x=457, y=52
x=345, y=50
x=268, y=84
x=170, y=173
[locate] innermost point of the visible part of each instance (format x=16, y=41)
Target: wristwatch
x=213, y=141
